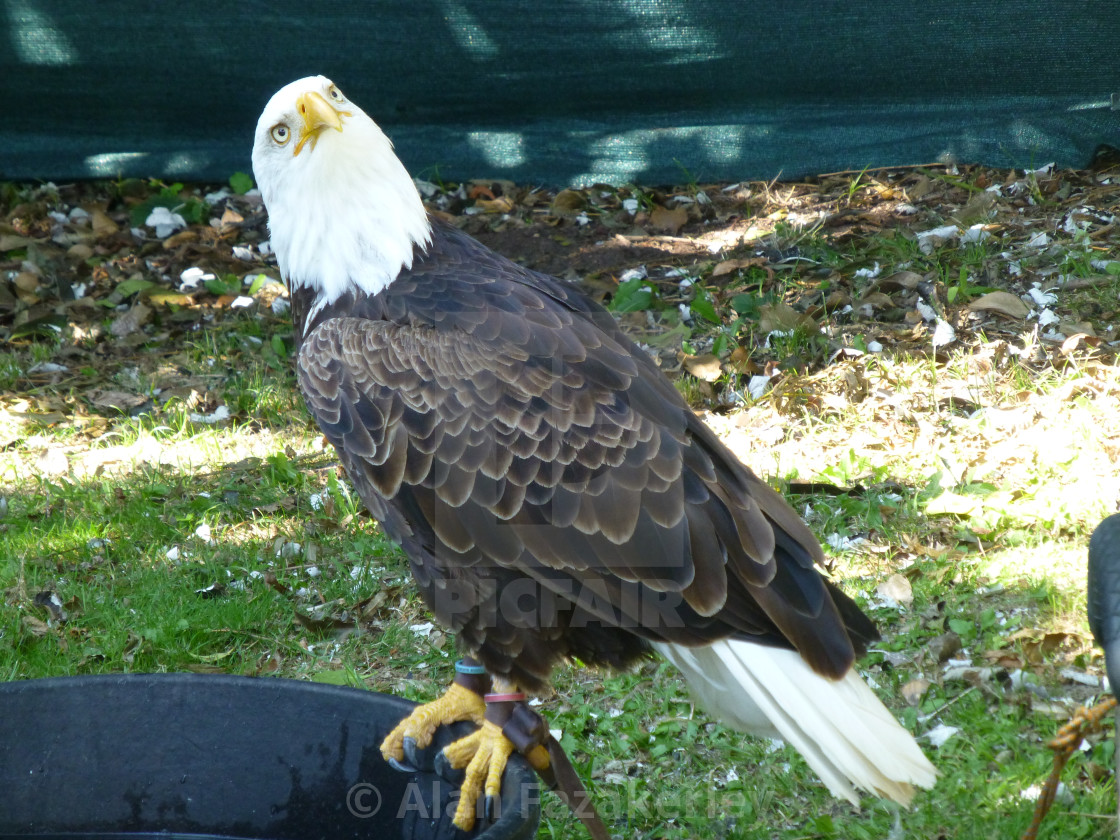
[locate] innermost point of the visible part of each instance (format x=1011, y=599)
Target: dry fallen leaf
x=568, y=203
x=728, y=266
x=914, y=690
x=231, y=218
x=26, y=281
x=181, y=238
x=102, y=225
x=10, y=242
x=896, y=590
x=945, y=646
x=169, y=299
x=740, y=361
x=706, y=367
x=1072, y=343
x=907, y=280
x=80, y=251
x=670, y=221
x=781, y=316
x=34, y=626
x=132, y=647
x=501, y=204
x=274, y=583
x=1001, y=303
x=186, y=395
x=1072, y=328
x=874, y=300
x=1037, y=644
x=129, y=322
x=977, y=209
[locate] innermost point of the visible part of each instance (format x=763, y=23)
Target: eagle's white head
x=342, y=209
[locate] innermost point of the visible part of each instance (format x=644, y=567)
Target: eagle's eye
x=335, y=94
x=280, y=133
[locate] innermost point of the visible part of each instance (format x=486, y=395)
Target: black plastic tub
x=185, y=755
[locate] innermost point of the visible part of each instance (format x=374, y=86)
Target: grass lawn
x=942, y=409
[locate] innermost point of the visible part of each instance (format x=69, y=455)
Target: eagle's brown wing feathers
x=484, y=455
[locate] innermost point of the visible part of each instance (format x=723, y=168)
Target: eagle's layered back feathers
x=555, y=495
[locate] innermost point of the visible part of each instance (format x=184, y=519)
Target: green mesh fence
x=649, y=91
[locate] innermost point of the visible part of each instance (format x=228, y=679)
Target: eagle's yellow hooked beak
x=317, y=115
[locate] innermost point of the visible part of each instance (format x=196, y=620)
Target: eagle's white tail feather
x=841, y=728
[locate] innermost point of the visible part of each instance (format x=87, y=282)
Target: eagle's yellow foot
x=484, y=755
x=457, y=703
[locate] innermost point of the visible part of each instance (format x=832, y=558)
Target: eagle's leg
x=462, y=701
x=485, y=753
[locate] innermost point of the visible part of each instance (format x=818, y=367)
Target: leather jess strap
x=528, y=732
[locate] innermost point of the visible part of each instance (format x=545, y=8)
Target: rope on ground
x=1064, y=744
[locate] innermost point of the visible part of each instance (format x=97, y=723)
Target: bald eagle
x=555, y=495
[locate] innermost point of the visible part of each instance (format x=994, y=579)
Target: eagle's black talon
x=490, y=809
x=446, y=772
x=422, y=758
x=401, y=767
x=411, y=754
